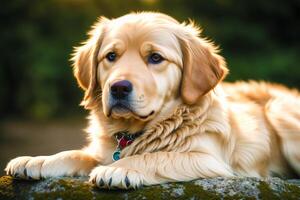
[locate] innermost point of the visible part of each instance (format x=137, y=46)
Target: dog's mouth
x=123, y=110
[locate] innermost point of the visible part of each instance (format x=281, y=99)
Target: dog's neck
x=186, y=121
x=110, y=126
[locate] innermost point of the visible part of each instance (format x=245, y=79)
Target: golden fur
x=193, y=125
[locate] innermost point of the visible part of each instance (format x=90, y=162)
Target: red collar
x=124, y=139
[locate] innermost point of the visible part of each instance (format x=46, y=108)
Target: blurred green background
x=259, y=39
x=39, y=97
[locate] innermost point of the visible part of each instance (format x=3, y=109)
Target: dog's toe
x=127, y=182
x=109, y=182
x=25, y=167
x=114, y=177
x=25, y=172
x=101, y=183
x=16, y=167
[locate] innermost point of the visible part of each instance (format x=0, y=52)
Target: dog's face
x=138, y=68
x=133, y=65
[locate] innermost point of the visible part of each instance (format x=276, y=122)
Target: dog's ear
x=82, y=63
x=85, y=61
x=203, y=68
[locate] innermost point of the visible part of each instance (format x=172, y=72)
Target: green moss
x=192, y=190
x=266, y=192
x=12, y=188
x=198, y=192
x=238, y=197
x=78, y=188
x=70, y=189
x=6, y=188
x=65, y=190
x=292, y=192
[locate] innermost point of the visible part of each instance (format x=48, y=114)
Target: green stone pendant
x=116, y=155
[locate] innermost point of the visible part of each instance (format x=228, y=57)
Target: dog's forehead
x=144, y=18
x=139, y=31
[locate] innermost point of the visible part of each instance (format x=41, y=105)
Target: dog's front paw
x=25, y=167
x=116, y=177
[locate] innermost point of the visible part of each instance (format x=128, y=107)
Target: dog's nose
x=121, y=89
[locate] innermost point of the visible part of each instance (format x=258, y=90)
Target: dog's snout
x=121, y=89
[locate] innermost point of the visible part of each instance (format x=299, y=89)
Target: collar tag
x=124, y=139
x=116, y=155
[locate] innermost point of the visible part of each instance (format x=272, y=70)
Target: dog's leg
x=287, y=126
x=156, y=168
x=67, y=163
x=292, y=154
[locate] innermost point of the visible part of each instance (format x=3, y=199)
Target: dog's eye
x=155, y=58
x=111, y=56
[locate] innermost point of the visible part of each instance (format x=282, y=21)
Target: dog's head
x=131, y=66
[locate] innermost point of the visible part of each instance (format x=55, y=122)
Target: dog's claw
x=25, y=172
x=127, y=182
x=101, y=183
x=109, y=182
x=16, y=175
x=93, y=180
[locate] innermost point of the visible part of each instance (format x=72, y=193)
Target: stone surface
x=216, y=188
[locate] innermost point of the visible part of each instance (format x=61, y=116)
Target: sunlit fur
x=200, y=127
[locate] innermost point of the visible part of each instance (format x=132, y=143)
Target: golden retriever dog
x=159, y=112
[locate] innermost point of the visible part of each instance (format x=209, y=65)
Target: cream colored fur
x=200, y=128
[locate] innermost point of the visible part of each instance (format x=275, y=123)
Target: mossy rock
x=215, y=188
